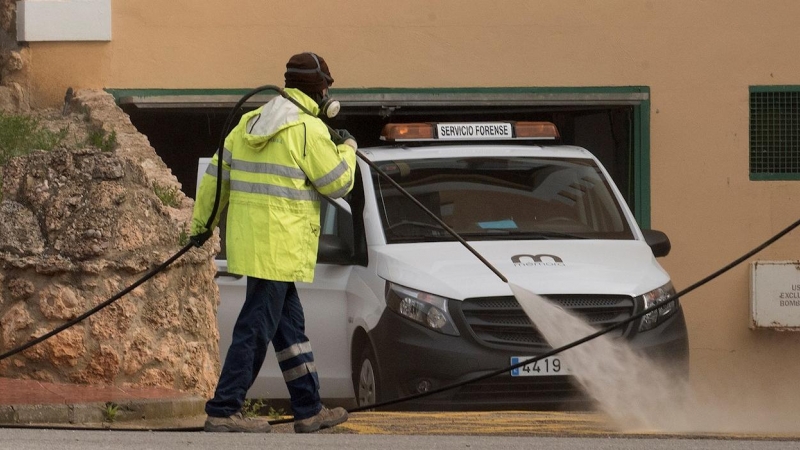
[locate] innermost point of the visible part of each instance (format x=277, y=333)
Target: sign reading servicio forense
x=477, y=131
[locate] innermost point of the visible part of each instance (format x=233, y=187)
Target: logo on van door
x=537, y=260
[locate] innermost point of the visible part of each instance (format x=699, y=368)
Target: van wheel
x=366, y=382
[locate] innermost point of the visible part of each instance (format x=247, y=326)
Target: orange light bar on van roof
x=536, y=130
x=407, y=132
x=469, y=131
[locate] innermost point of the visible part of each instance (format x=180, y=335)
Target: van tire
x=366, y=381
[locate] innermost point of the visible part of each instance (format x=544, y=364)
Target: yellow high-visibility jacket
x=274, y=165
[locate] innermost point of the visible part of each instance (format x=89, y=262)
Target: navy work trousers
x=271, y=312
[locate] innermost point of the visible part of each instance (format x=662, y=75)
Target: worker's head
x=309, y=73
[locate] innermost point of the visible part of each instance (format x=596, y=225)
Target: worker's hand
x=199, y=239
x=340, y=136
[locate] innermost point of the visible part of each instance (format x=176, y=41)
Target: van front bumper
x=413, y=359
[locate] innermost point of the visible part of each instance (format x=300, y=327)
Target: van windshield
x=494, y=198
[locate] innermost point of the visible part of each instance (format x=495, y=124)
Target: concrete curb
x=100, y=412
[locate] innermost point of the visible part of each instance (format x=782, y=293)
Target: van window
x=499, y=198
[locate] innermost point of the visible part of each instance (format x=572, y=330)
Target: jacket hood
x=543, y=267
x=277, y=114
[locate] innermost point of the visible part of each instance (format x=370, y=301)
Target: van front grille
x=501, y=320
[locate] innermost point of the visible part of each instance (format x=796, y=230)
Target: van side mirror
x=658, y=242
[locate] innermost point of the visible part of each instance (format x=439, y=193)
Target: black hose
x=502, y=277
x=169, y=261
x=407, y=194
x=552, y=352
x=583, y=340
x=215, y=208
x=97, y=308
x=221, y=145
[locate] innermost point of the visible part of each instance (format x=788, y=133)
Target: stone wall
x=79, y=224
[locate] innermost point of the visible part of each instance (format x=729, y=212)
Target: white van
x=398, y=306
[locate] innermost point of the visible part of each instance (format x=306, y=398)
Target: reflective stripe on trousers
x=296, y=361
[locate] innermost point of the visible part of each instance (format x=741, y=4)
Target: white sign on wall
x=775, y=295
x=63, y=20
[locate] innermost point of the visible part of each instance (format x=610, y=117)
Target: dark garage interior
x=181, y=134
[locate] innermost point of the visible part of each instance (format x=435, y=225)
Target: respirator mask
x=328, y=107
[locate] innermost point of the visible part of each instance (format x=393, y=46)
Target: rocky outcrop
x=77, y=225
x=14, y=63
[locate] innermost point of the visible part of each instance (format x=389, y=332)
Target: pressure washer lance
x=552, y=352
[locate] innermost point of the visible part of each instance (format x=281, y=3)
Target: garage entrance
x=611, y=122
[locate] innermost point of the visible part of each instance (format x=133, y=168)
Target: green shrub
x=183, y=238
x=110, y=413
x=167, y=194
x=20, y=135
x=97, y=138
x=252, y=408
x=276, y=414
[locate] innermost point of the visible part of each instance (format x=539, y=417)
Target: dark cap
x=307, y=72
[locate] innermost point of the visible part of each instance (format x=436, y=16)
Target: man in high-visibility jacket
x=275, y=165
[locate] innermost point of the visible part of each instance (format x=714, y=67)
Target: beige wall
x=697, y=57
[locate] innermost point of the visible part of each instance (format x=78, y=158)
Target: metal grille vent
x=501, y=321
x=775, y=132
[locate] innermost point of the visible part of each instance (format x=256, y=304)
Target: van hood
x=543, y=267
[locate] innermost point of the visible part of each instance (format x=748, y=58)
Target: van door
x=324, y=307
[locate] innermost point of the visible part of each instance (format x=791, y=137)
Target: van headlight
x=653, y=318
x=425, y=309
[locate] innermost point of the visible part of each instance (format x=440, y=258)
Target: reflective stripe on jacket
x=274, y=164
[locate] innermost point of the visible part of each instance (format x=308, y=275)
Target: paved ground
x=25, y=403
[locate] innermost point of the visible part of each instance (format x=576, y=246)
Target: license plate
x=552, y=365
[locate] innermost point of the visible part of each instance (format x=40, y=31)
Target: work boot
x=325, y=418
x=237, y=424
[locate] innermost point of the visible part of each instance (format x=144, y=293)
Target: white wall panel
x=64, y=20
